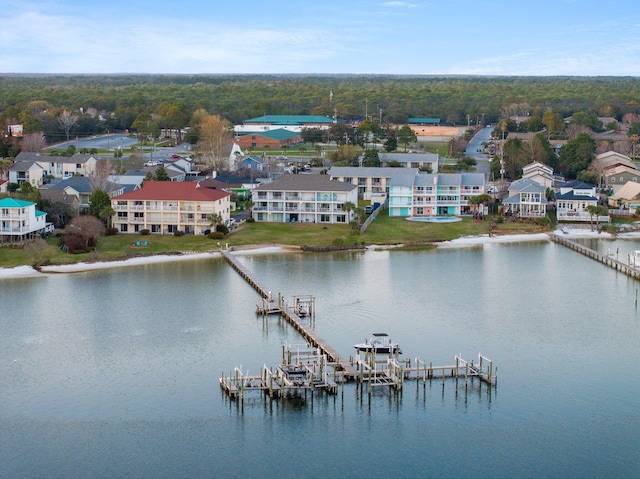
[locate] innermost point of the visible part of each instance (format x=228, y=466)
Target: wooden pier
x=593, y=254
x=315, y=365
x=292, y=317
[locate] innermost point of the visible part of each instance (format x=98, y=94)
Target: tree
x=406, y=135
x=98, y=201
x=161, y=174
x=214, y=220
x=371, y=158
x=248, y=205
x=33, y=142
x=66, y=121
x=576, y=155
x=554, y=124
x=346, y=155
x=86, y=227
x=348, y=207
x=311, y=135
x=391, y=143
x=215, y=132
x=595, y=211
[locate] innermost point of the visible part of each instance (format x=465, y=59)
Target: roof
x=526, y=185
x=402, y=180
x=369, y=171
x=419, y=121
x=173, y=191
x=290, y=119
x=409, y=157
x=278, y=134
x=219, y=185
x=630, y=191
x=289, y=182
x=14, y=203
x=450, y=179
x=572, y=195
x=24, y=165
x=83, y=184
x=616, y=170
x=611, y=159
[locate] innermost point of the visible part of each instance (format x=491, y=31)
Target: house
x=424, y=161
x=616, y=177
x=61, y=166
x=303, y=199
x=434, y=194
x=164, y=207
x=251, y=163
x=573, y=200
x=4, y=186
x=29, y=171
x=273, y=139
x=540, y=173
x=20, y=221
x=82, y=187
x=526, y=199
x=232, y=152
x=370, y=180
x=62, y=207
x=627, y=197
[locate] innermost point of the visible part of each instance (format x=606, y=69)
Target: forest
x=35, y=101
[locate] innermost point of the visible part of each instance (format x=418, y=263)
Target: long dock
x=287, y=313
x=596, y=255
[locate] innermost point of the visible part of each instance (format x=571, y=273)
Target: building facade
x=434, y=195
x=20, y=221
x=369, y=180
x=303, y=199
x=164, y=207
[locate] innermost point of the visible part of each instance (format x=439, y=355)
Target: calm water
x=115, y=373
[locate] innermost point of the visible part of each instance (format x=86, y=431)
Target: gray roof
x=369, y=171
x=411, y=157
x=403, y=180
x=450, y=179
x=289, y=182
x=82, y=184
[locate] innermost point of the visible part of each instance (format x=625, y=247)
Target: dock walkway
x=347, y=370
x=593, y=254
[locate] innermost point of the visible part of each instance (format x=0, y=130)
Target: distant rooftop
x=291, y=119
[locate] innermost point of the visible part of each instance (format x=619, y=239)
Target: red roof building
x=164, y=207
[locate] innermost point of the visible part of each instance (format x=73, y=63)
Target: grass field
x=383, y=231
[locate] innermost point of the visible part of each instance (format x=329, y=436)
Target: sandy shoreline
x=28, y=271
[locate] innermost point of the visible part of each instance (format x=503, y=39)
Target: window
x=613, y=179
x=124, y=228
x=156, y=228
x=325, y=218
x=341, y=219
x=122, y=215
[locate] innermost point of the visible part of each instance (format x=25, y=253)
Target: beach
x=468, y=241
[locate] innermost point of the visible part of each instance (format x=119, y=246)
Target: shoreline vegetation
x=257, y=238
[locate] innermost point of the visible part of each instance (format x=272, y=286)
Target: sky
x=416, y=37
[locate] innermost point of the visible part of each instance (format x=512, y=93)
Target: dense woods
x=37, y=101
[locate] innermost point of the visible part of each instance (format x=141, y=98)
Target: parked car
x=368, y=209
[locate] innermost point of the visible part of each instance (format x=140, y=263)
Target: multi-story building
x=527, y=199
x=164, y=207
x=573, y=200
x=303, y=199
x=369, y=180
x=434, y=195
x=20, y=220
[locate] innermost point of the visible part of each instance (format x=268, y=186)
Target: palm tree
x=595, y=211
x=348, y=207
x=214, y=220
x=248, y=204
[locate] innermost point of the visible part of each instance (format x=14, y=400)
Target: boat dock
x=292, y=318
x=315, y=365
x=593, y=254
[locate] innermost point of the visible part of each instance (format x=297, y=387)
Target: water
x=115, y=373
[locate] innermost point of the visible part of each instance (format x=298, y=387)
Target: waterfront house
x=369, y=180
x=573, y=200
x=526, y=199
x=20, y=221
x=434, y=194
x=164, y=207
x=540, y=173
x=303, y=199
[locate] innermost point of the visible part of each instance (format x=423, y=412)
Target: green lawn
x=384, y=230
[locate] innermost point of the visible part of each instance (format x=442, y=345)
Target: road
x=483, y=165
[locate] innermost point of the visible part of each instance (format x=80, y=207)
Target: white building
x=371, y=181
x=303, y=199
x=20, y=220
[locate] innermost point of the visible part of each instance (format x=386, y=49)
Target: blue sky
x=423, y=37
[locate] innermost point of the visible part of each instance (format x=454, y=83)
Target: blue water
x=115, y=373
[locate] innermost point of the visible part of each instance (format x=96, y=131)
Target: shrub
x=215, y=235
x=145, y=232
x=177, y=233
x=251, y=219
x=111, y=231
x=222, y=229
